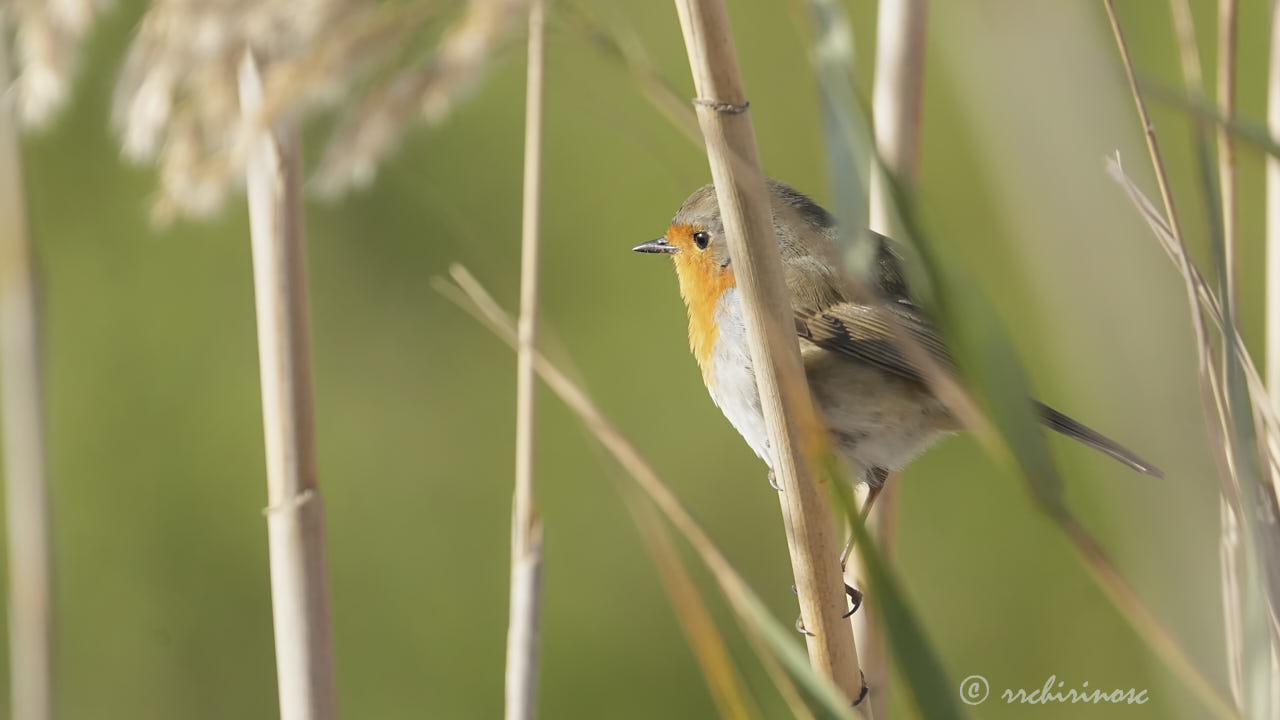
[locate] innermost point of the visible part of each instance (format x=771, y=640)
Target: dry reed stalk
x=622, y=44
x=1188, y=51
x=1273, y=222
x=1227, y=13
x=26, y=493
x=1176, y=245
x=897, y=103
x=295, y=514
x=1258, y=394
x=1149, y=132
x=526, y=527
x=795, y=434
x=867, y=630
x=1131, y=605
x=1273, y=215
x=1230, y=548
x=1126, y=599
x=1211, y=396
x=695, y=618
x=745, y=604
x=1273, y=267
x=708, y=647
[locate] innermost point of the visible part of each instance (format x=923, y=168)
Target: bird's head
x=804, y=231
x=695, y=240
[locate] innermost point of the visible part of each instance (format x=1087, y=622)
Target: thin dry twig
x=472, y=297
x=1156, y=635
x=700, y=629
x=526, y=527
x=708, y=647
x=1140, y=617
x=26, y=492
x=295, y=514
x=1216, y=414
x=1230, y=549
x=1188, y=51
x=794, y=431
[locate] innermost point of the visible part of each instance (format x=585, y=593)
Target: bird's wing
x=866, y=333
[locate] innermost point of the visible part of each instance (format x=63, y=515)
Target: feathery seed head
x=176, y=100
x=47, y=35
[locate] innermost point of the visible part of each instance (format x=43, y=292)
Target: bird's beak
x=657, y=245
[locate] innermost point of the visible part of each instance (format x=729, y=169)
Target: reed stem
x=26, y=492
x=794, y=432
x=1273, y=214
x=295, y=512
x=1273, y=267
x=1227, y=23
x=526, y=527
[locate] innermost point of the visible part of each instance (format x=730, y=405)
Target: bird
x=876, y=404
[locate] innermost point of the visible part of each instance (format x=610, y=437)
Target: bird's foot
x=773, y=482
x=799, y=618
x=855, y=597
x=800, y=627
x=862, y=695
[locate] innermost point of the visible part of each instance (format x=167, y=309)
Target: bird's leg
x=873, y=492
x=875, y=483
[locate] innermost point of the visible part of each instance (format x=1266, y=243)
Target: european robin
x=876, y=404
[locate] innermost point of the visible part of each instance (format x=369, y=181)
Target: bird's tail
x=1094, y=439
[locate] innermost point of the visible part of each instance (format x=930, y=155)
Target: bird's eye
x=701, y=239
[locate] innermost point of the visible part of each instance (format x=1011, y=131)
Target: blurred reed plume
x=175, y=101
x=47, y=36
x=431, y=87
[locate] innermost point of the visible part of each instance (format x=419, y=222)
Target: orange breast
x=702, y=282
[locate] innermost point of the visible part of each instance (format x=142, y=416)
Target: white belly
x=734, y=390
x=874, y=419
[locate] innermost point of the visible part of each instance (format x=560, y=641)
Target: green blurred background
x=155, y=435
